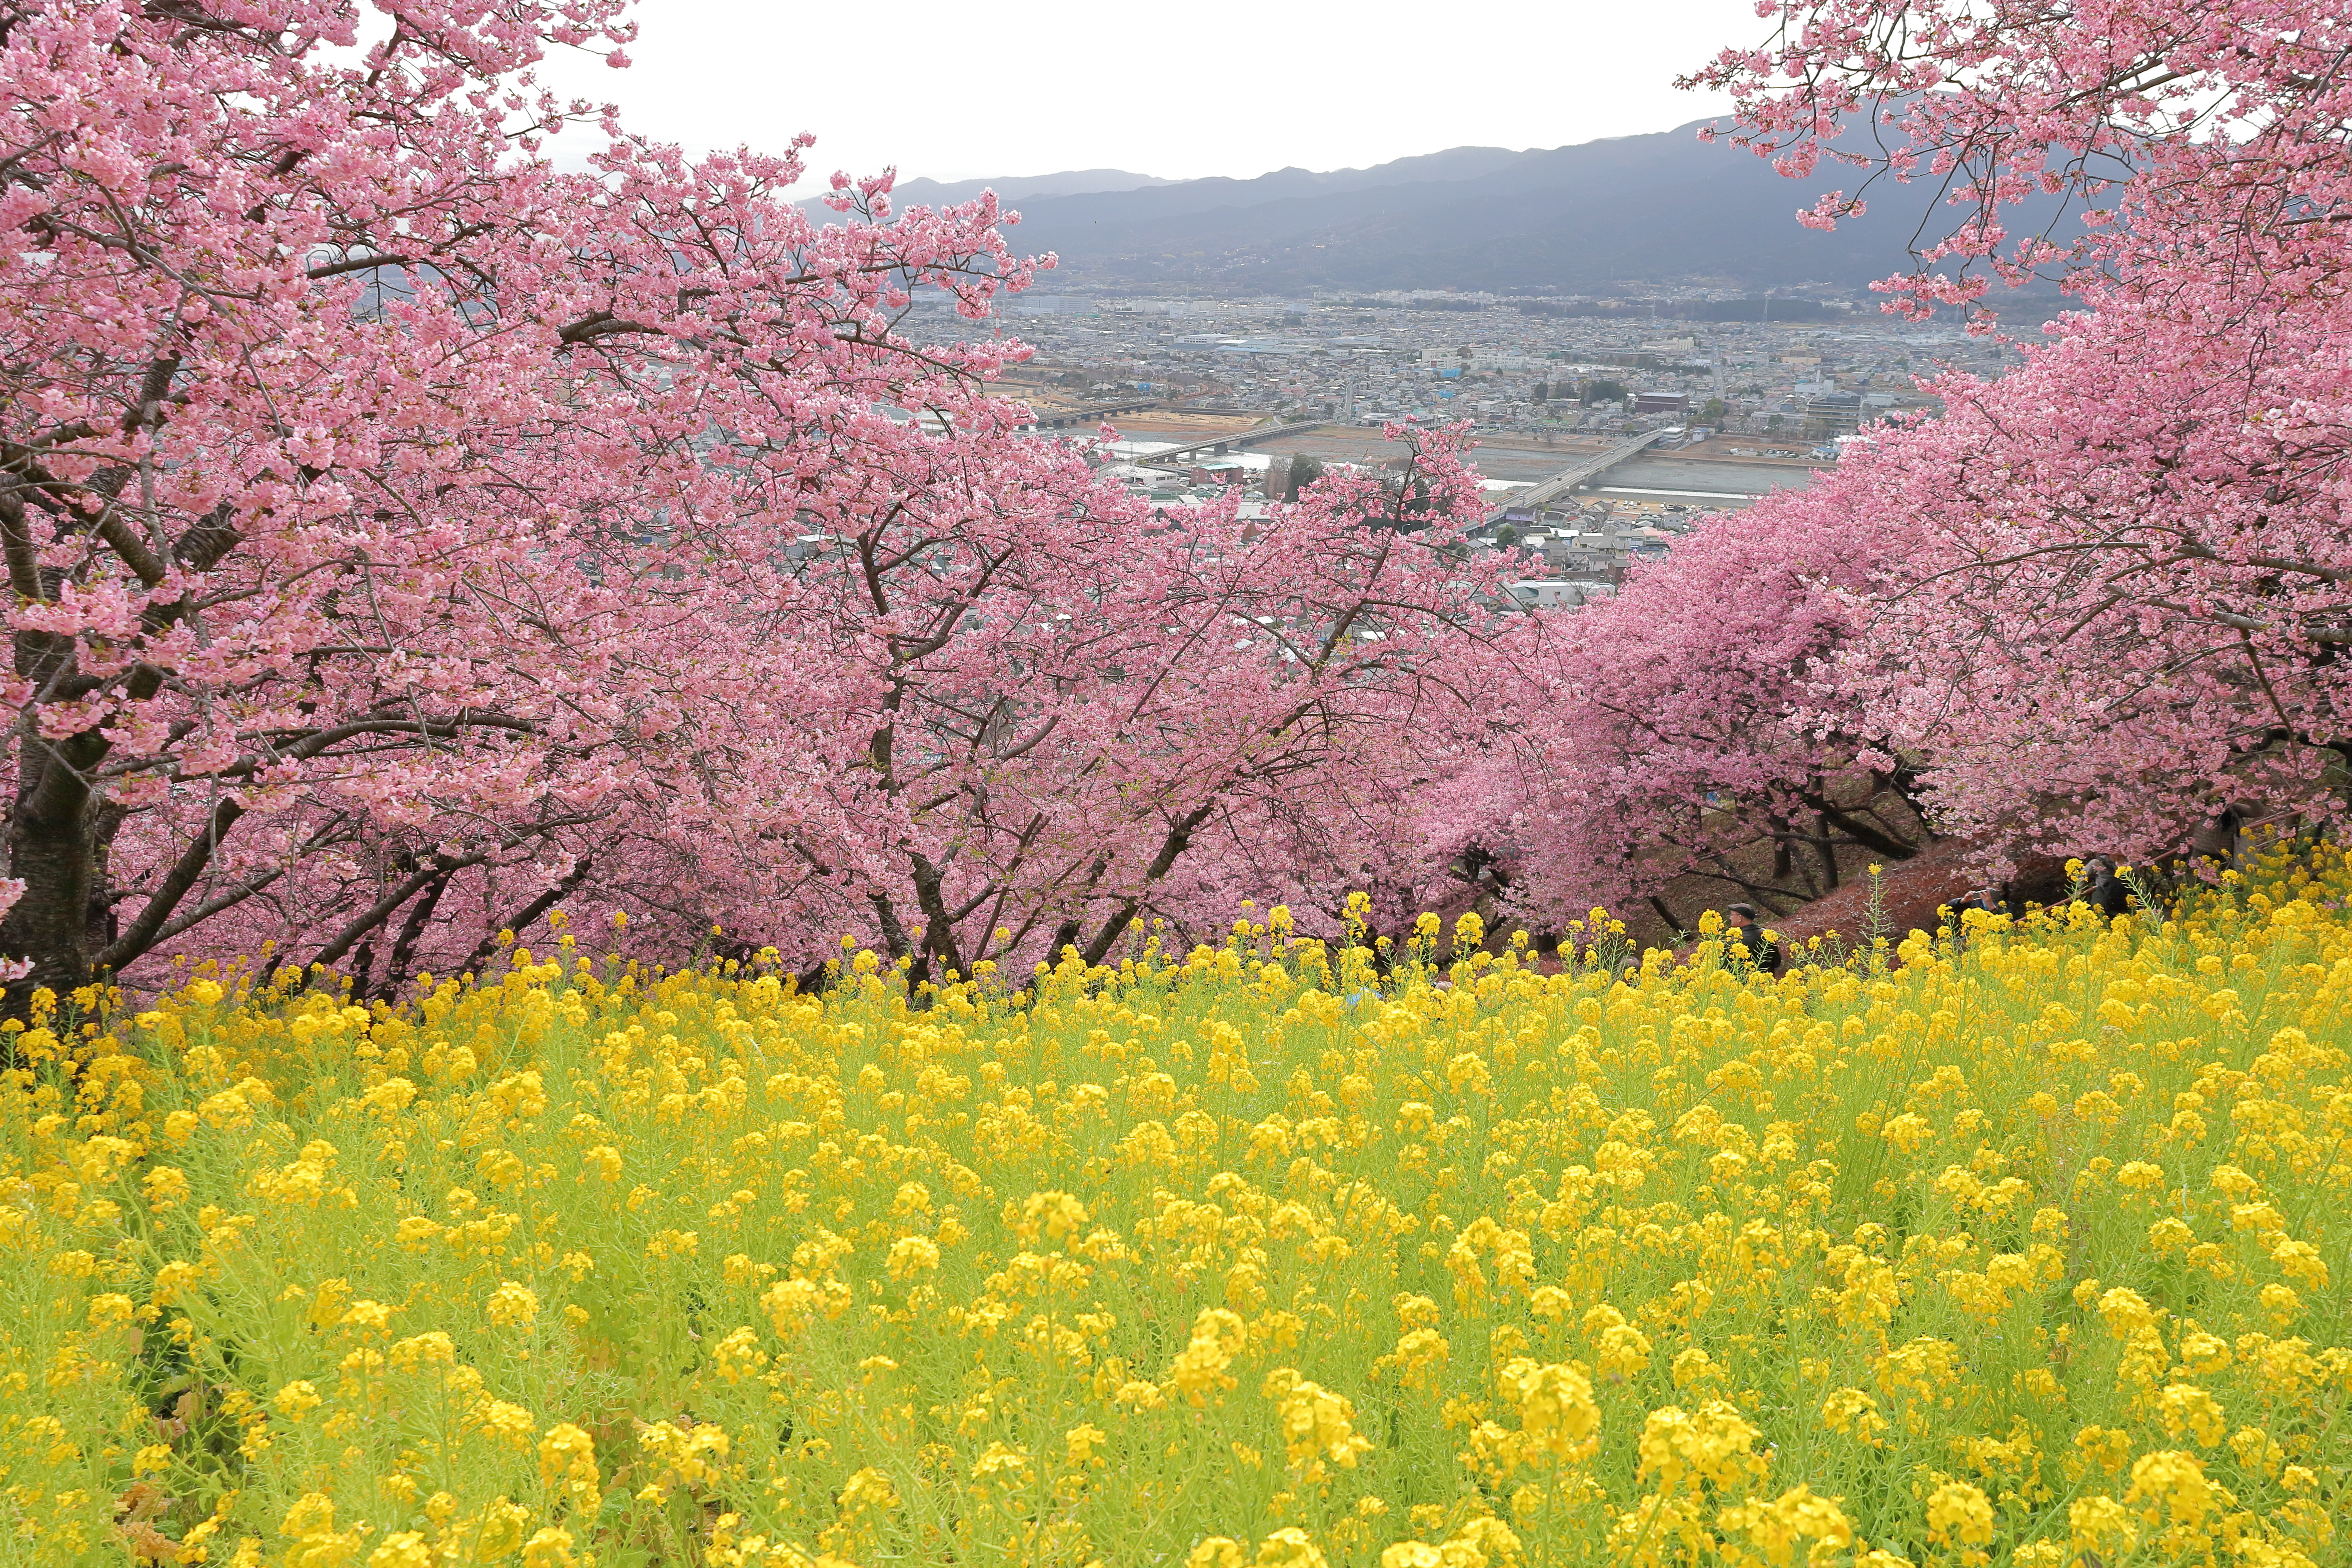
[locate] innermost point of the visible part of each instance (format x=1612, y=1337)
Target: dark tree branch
x=404, y=948
x=527, y=914
x=148, y=929
x=1178, y=840
x=375, y=914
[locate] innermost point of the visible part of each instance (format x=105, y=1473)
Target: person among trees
x=1746, y=940
x=2101, y=889
x=1991, y=901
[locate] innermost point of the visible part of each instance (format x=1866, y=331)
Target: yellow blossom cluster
x=2028, y=1249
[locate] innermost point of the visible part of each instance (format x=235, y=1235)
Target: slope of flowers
x=2032, y=1252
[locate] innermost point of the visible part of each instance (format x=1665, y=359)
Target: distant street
x=1711, y=478
x=1717, y=482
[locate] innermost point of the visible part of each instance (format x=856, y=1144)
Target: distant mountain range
x=1665, y=208
x=1022, y=187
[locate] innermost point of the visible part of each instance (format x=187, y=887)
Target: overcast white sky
x=1216, y=87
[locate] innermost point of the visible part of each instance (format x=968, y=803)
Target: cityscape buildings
x=1642, y=420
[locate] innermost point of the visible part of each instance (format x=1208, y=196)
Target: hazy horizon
x=1236, y=90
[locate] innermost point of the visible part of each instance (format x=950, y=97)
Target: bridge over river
x=1534, y=498
x=1062, y=418
x=1233, y=442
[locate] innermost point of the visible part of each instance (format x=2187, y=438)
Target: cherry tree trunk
x=53, y=849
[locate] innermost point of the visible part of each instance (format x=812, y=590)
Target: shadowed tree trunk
x=53, y=849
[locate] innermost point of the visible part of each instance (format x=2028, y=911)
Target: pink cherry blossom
x=2111, y=606
x=407, y=539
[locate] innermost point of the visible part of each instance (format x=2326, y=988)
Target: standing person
x=1746, y=938
x=2101, y=889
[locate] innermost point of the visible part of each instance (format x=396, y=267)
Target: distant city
x=1603, y=430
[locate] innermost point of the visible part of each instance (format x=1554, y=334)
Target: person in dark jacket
x=1743, y=938
x=2101, y=889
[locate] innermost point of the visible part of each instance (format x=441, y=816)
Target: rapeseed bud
x=1318, y=1426
x=1959, y=1514
x=512, y=1306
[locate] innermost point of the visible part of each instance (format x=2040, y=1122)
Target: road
x=1714, y=482
x=1666, y=474
x=1519, y=465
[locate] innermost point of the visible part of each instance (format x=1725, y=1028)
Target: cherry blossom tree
x=1069, y=712
x=2122, y=612
x=358, y=465
x=406, y=537
x=2126, y=610
x=1678, y=729
x=2202, y=145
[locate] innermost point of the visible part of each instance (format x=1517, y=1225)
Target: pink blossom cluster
x=406, y=540
x=2102, y=603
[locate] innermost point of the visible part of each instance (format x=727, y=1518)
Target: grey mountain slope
x=1662, y=208
x=1020, y=187
x=1184, y=197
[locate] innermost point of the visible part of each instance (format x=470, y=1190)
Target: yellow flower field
x=2034, y=1252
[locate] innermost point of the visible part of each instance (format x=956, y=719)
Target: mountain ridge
x=1653, y=209
x=1018, y=187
